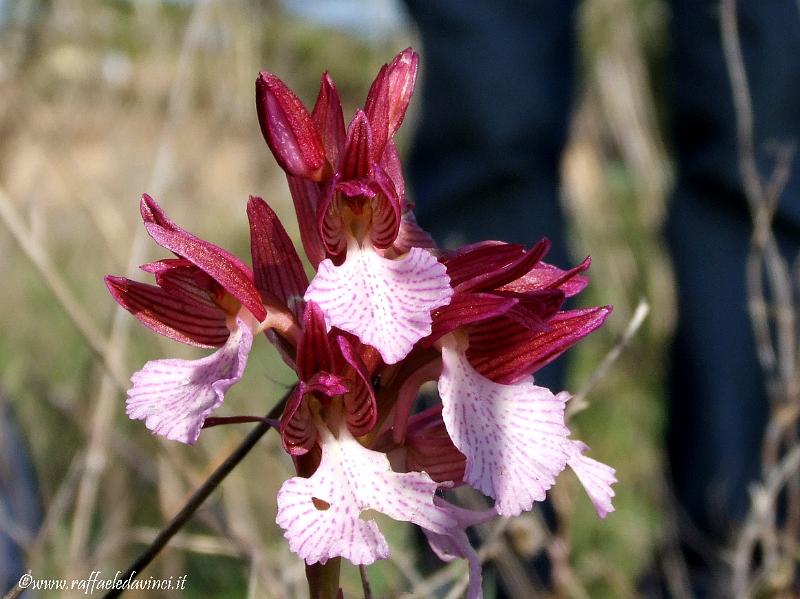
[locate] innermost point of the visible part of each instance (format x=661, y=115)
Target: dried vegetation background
x=103, y=100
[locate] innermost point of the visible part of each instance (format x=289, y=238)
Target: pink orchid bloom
x=208, y=298
x=382, y=316
x=375, y=278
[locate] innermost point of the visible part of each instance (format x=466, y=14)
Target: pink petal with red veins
x=357, y=160
x=513, y=353
x=360, y=406
x=389, y=96
x=297, y=428
x=331, y=228
x=595, y=477
x=411, y=235
x=385, y=303
x=401, y=76
x=430, y=449
x=174, y=397
x=181, y=278
x=479, y=258
x=391, y=163
x=547, y=276
x=513, y=436
x=277, y=269
x=455, y=543
x=314, y=352
x=376, y=108
x=321, y=515
x=174, y=316
x=491, y=279
x=288, y=129
x=328, y=118
x=223, y=267
x=306, y=197
x=466, y=308
x=385, y=211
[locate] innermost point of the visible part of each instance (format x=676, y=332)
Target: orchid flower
x=375, y=278
x=385, y=313
x=208, y=298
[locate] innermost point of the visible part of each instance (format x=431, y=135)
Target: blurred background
x=101, y=101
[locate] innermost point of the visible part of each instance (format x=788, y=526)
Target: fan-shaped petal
x=385, y=303
x=174, y=397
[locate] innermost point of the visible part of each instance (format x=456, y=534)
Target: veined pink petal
x=391, y=163
x=331, y=228
x=455, y=543
x=547, y=276
x=466, y=308
x=385, y=303
x=478, y=258
x=320, y=515
x=314, y=350
x=411, y=235
x=174, y=397
x=491, y=279
x=170, y=315
x=277, y=268
x=513, y=436
x=297, y=429
x=514, y=353
x=595, y=477
x=385, y=211
x=306, y=197
x=328, y=118
x=360, y=406
x=357, y=160
x=288, y=129
x=222, y=266
x=430, y=449
x=181, y=278
x=376, y=108
x=401, y=76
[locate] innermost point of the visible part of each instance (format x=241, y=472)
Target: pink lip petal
x=385, y=303
x=174, y=397
x=513, y=436
x=455, y=544
x=595, y=477
x=320, y=514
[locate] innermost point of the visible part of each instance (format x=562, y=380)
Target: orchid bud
x=288, y=129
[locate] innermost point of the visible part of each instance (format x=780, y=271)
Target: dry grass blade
x=103, y=415
x=49, y=273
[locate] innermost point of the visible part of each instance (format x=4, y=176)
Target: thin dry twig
x=775, y=330
x=198, y=497
x=578, y=402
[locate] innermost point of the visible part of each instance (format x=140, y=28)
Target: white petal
x=386, y=303
x=595, y=477
x=349, y=480
x=513, y=436
x=174, y=396
x=455, y=544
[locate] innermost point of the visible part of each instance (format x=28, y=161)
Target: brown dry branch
x=773, y=313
